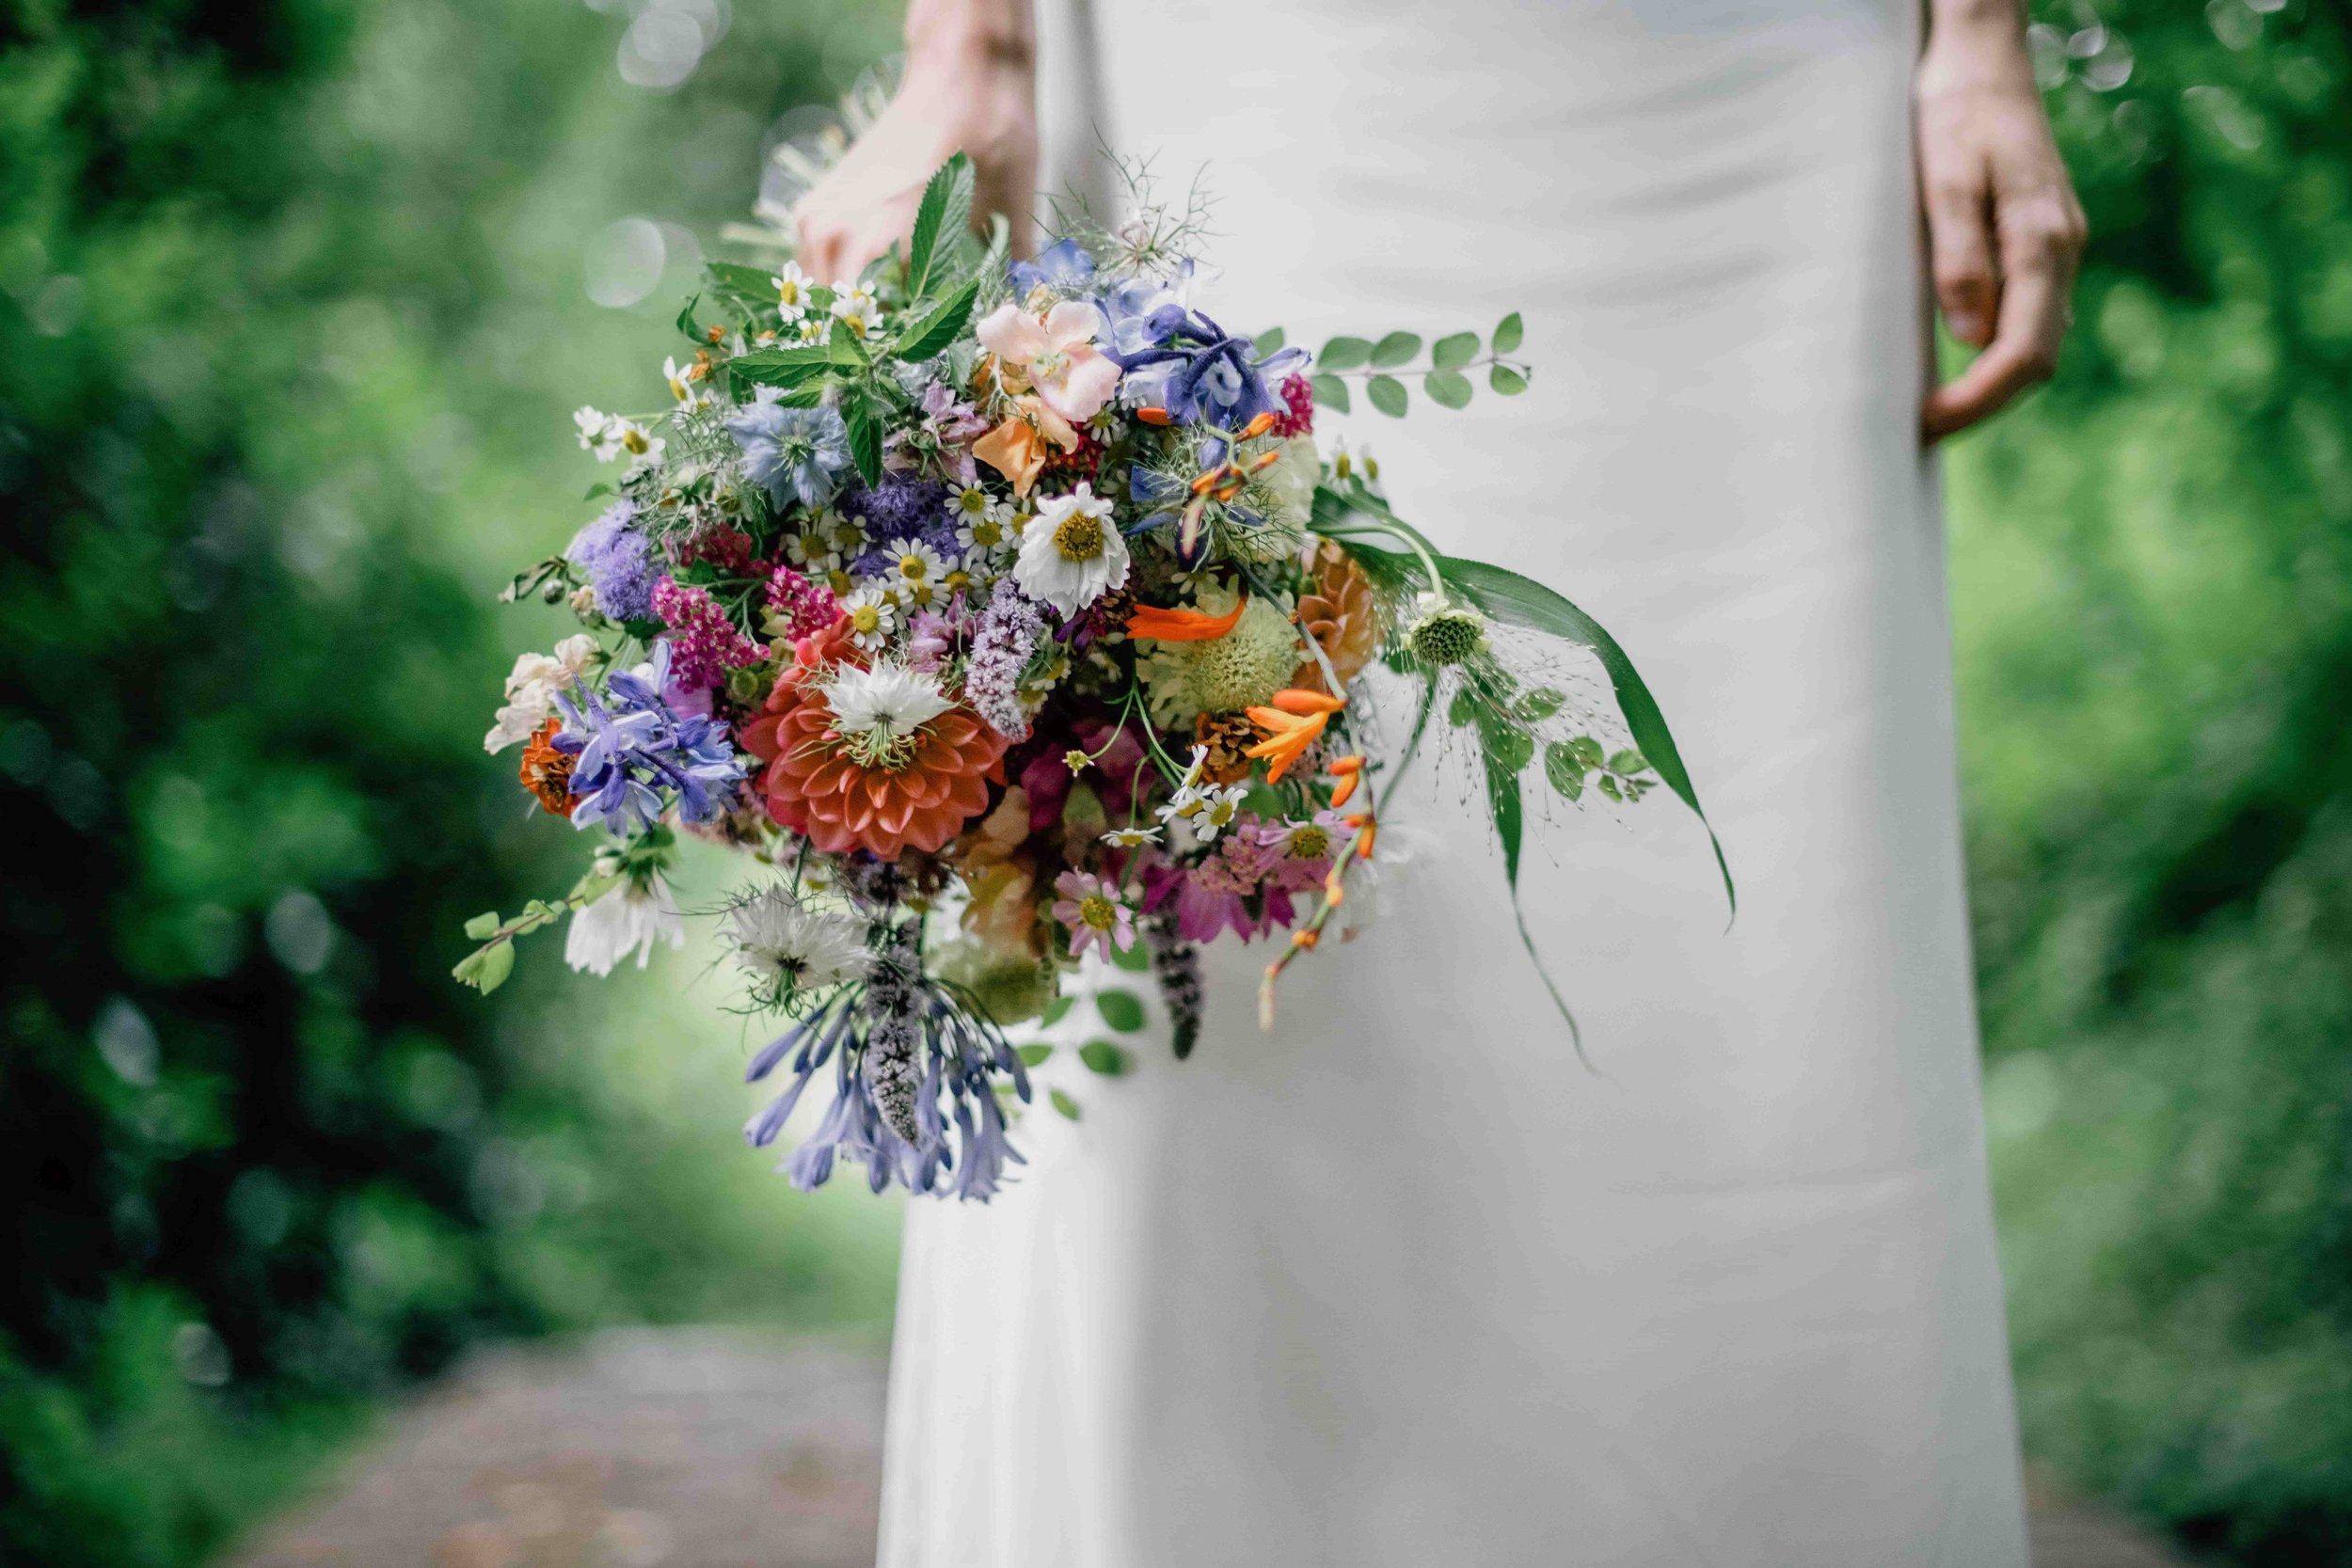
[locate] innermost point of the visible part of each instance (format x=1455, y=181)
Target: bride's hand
x=970, y=87
x=2004, y=229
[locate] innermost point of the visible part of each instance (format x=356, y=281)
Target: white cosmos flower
x=786, y=947
x=629, y=918
x=531, y=689
x=793, y=286
x=912, y=576
x=1072, y=553
x=873, y=616
x=854, y=308
x=888, y=702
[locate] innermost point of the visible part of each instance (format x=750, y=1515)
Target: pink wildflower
x=1094, y=914
x=703, y=643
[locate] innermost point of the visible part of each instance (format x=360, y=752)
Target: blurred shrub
x=288, y=297
x=2154, y=580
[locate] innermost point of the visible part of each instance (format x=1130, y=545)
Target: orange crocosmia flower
x=1288, y=735
x=1183, y=625
x=1018, y=448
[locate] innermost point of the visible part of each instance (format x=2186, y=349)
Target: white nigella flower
x=873, y=616
x=787, y=947
x=531, y=689
x=1073, y=554
x=793, y=286
x=630, y=918
x=682, y=379
x=912, y=577
x=888, y=698
x=854, y=308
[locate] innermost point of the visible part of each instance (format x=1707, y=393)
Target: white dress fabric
x=1401, y=1282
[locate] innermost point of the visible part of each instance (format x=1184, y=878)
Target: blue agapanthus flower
x=1061, y=267
x=792, y=453
x=633, y=754
x=1185, y=362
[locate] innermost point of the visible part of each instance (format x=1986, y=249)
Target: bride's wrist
x=1976, y=49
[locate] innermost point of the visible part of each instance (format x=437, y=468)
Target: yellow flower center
x=987, y=535
x=973, y=500
x=912, y=567
x=634, y=439
x=1310, y=843
x=1079, y=537
x=1098, y=911
x=956, y=582
x=839, y=581
x=865, y=618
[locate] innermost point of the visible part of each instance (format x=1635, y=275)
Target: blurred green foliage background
x=291, y=317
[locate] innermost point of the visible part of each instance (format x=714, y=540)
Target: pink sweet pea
x=1073, y=377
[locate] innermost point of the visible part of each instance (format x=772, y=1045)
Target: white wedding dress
x=1401, y=1282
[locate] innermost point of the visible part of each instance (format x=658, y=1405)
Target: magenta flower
x=1094, y=914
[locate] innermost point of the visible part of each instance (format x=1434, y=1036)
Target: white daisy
x=1132, y=838
x=787, y=948
x=682, y=381
x=987, y=531
x=1073, y=554
x=814, y=329
x=914, y=573
x=630, y=918
x=873, y=616
x=854, y=308
x=810, y=554
x=793, y=286
x=596, y=433
x=886, y=703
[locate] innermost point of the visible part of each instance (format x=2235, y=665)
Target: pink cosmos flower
x=1073, y=377
x=1094, y=914
x=1300, y=852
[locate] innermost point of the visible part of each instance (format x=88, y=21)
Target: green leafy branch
x=1445, y=378
x=487, y=966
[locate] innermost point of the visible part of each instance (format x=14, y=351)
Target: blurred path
x=698, y=1448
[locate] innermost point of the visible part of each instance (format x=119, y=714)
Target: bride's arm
x=2004, y=229
x=971, y=88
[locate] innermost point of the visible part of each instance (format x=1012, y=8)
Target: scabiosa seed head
x=1446, y=634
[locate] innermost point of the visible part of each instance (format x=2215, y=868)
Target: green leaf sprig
x=1445, y=378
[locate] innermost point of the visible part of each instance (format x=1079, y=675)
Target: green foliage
x=289, y=322
x=2154, y=587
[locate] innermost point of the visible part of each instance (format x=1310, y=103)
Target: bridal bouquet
x=1001, y=613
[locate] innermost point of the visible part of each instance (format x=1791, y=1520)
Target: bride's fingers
x=2023, y=350
x=1960, y=247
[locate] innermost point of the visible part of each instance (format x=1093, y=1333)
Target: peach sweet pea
x=1018, y=448
x=1056, y=353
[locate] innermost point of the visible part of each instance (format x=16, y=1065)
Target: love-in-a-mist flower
x=877, y=710
x=788, y=948
x=1073, y=553
x=1094, y=914
x=1055, y=354
x=792, y=453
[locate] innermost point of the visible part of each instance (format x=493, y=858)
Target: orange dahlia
x=918, y=798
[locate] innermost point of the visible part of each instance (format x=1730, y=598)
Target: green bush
x=2153, y=584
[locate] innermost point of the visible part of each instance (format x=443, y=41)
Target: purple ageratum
x=619, y=562
x=633, y=753
x=792, y=453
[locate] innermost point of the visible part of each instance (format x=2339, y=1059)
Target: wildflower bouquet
x=1004, y=612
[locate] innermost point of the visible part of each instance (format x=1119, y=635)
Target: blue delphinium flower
x=619, y=562
x=1061, y=267
x=1185, y=362
x=792, y=453
x=633, y=753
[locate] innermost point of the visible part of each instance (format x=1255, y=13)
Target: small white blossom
x=531, y=689
x=630, y=918
x=854, y=308
x=682, y=381
x=1132, y=838
x=596, y=433
x=793, y=286
x=914, y=575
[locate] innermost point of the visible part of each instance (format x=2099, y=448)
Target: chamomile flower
x=596, y=433
x=793, y=286
x=811, y=554
x=683, y=382
x=915, y=571
x=873, y=616
x=814, y=329
x=854, y=308
x=1132, y=838
x=987, y=531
